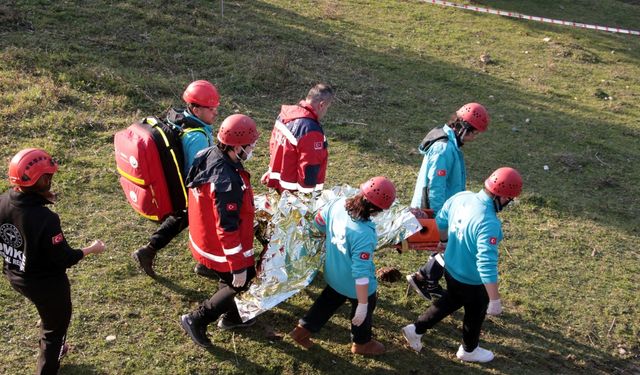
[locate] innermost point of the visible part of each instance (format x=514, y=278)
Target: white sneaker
x=413, y=339
x=477, y=355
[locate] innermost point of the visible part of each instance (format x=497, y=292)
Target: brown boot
x=372, y=347
x=301, y=336
x=144, y=258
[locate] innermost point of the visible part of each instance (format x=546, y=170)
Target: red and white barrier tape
x=532, y=18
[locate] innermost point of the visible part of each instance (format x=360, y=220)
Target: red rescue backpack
x=149, y=159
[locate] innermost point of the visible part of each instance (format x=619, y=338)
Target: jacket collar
x=452, y=136
x=207, y=165
x=303, y=109
x=23, y=199
x=486, y=199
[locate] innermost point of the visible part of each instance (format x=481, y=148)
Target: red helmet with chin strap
x=380, y=191
x=28, y=165
x=202, y=93
x=504, y=182
x=475, y=114
x=238, y=130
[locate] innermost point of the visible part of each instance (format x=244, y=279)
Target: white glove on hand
x=495, y=307
x=239, y=279
x=360, y=315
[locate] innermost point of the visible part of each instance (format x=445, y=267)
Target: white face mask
x=247, y=155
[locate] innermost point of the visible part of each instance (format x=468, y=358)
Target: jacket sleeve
x=489, y=236
x=55, y=245
x=442, y=216
x=362, y=248
x=311, y=158
x=437, y=174
x=228, y=202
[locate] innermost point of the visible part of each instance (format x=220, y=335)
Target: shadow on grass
x=388, y=90
x=598, y=13
x=188, y=293
x=521, y=345
x=79, y=369
x=264, y=51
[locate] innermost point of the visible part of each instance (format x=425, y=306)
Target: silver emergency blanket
x=295, y=249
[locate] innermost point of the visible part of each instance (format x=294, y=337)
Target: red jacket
x=298, y=151
x=221, y=212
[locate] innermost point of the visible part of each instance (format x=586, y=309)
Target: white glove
x=360, y=315
x=495, y=307
x=239, y=279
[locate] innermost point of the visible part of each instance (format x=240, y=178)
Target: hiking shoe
x=420, y=286
x=144, y=258
x=301, y=336
x=197, y=332
x=372, y=347
x=477, y=355
x=435, y=290
x=413, y=338
x=225, y=324
x=425, y=289
x=202, y=270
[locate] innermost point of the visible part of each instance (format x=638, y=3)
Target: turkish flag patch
x=441, y=172
x=317, y=145
x=57, y=239
x=232, y=207
x=493, y=240
x=365, y=256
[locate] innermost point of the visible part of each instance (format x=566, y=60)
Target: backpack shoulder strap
x=434, y=135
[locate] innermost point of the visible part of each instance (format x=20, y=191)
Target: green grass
x=73, y=73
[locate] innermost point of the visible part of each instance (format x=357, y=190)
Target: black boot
x=144, y=257
x=196, y=330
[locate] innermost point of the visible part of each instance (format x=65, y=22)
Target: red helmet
x=379, y=191
x=238, y=130
x=28, y=165
x=202, y=93
x=504, y=182
x=475, y=114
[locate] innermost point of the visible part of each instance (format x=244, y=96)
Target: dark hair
x=359, y=208
x=460, y=128
x=223, y=147
x=320, y=92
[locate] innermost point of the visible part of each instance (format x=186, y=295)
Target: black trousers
x=473, y=298
x=432, y=271
x=326, y=305
x=222, y=302
x=53, y=301
x=169, y=229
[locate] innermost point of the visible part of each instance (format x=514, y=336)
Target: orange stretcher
x=426, y=239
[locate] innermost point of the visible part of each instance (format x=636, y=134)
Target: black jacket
x=31, y=240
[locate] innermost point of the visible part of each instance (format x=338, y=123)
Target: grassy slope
x=71, y=74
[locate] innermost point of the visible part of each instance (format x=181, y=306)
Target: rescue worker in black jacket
x=35, y=252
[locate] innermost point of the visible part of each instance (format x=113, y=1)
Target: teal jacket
x=442, y=171
x=474, y=231
x=350, y=246
x=197, y=135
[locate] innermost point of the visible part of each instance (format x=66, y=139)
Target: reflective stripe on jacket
x=221, y=212
x=298, y=151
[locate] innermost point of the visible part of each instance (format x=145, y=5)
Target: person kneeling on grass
x=35, y=252
x=349, y=269
x=470, y=228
